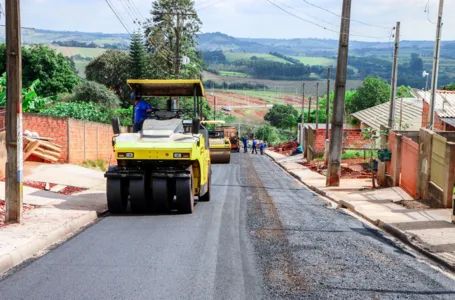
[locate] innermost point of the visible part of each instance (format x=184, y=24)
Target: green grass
x=350, y=154
x=233, y=56
x=237, y=74
x=80, y=67
x=322, y=61
x=84, y=52
x=99, y=164
x=270, y=96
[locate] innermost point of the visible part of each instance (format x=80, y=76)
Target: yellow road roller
x=167, y=163
x=220, y=145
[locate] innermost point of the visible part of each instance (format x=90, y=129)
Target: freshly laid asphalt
x=263, y=236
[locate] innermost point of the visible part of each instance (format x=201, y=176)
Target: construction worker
x=245, y=144
x=262, y=147
x=255, y=144
x=141, y=108
x=298, y=150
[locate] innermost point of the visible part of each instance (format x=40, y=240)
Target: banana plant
x=31, y=102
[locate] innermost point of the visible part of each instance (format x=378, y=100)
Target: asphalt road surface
x=263, y=236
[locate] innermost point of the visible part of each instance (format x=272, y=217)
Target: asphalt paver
x=263, y=236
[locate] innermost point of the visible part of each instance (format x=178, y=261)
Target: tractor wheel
x=161, y=195
x=138, y=196
x=117, y=195
x=184, y=194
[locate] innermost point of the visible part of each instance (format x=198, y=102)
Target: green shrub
x=79, y=110
x=90, y=91
x=88, y=111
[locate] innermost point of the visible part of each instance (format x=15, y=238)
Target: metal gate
x=409, y=165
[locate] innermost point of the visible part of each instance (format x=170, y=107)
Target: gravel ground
x=306, y=250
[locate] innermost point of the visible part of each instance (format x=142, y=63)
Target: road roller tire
x=138, y=196
x=117, y=195
x=161, y=195
x=184, y=194
x=206, y=197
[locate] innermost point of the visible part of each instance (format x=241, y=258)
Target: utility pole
x=14, y=164
x=327, y=109
x=177, y=47
x=334, y=166
x=317, y=106
x=437, y=51
x=302, y=139
x=214, y=108
x=393, y=93
x=309, y=112
x=327, y=113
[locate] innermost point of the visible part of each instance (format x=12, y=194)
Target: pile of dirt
x=350, y=169
x=285, y=148
x=420, y=204
x=26, y=207
x=68, y=190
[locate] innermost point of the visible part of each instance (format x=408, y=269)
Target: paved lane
x=263, y=236
x=206, y=255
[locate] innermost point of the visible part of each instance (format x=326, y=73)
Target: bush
x=89, y=111
x=90, y=91
x=79, y=110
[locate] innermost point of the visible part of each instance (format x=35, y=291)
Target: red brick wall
x=50, y=127
x=86, y=140
x=89, y=141
x=354, y=139
x=438, y=124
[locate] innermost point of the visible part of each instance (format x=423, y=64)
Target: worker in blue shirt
x=141, y=108
x=299, y=150
x=245, y=144
x=262, y=147
x=255, y=144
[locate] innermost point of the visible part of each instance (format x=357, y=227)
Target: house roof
x=444, y=103
x=379, y=115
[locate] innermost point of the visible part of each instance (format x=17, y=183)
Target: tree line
x=72, y=43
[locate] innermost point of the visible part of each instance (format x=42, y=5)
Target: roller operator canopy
x=166, y=88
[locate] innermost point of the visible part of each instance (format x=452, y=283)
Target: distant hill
x=311, y=51
x=317, y=47
x=43, y=36
x=220, y=41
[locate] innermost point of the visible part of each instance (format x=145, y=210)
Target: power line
x=200, y=3
x=118, y=17
x=318, y=25
x=129, y=13
x=307, y=14
x=338, y=15
x=211, y=4
x=136, y=16
x=427, y=10
x=317, y=18
x=136, y=9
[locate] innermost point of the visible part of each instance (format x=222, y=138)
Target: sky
x=372, y=20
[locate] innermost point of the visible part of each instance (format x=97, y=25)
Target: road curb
x=390, y=229
x=30, y=249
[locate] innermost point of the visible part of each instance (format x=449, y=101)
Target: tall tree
x=54, y=71
x=373, y=92
x=171, y=34
x=138, y=56
x=111, y=69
